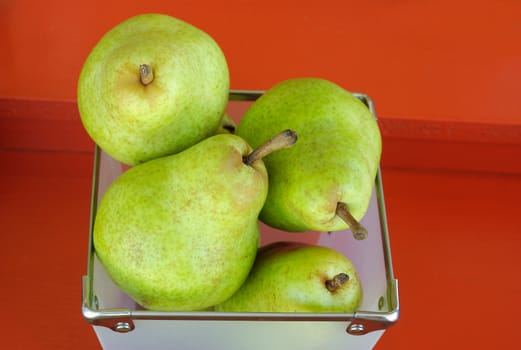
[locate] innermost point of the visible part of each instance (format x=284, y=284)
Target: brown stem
x=337, y=282
x=285, y=139
x=229, y=128
x=358, y=231
x=146, y=75
x=228, y=124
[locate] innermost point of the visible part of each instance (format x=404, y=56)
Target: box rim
x=359, y=322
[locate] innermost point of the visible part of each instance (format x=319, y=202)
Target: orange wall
x=436, y=60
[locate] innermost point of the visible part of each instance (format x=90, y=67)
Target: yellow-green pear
x=181, y=232
x=325, y=182
x=152, y=86
x=297, y=277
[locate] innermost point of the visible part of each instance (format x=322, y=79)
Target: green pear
x=325, y=182
x=152, y=86
x=181, y=232
x=297, y=277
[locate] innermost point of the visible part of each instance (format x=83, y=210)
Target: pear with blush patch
x=181, y=232
x=297, y=277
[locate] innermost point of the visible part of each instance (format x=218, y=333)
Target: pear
x=153, y=85
x=325, y=182
x=181, y=232
x=297, y=277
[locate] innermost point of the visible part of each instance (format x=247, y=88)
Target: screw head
x=122, y=327
x=356, y=328
x=96, y=302
x=381, y=303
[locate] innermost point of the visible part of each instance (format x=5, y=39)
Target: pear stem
x=359, y=232
x=285, y=139
x=337, y=282
x=146, y=75
x=229, y=128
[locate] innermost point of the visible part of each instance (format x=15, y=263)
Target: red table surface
x=454, y=237
x=445, y=79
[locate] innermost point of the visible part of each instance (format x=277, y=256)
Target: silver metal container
x=120, y=323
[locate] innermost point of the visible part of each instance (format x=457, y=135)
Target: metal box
x=120, y=323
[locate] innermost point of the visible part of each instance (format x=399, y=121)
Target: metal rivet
x=356, y=328
x=122, y=327
x=381, y=303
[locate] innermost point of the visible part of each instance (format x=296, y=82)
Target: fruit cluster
x=179, y=230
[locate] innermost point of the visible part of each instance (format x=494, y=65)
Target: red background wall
x=446, y=60
x=438, y=71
